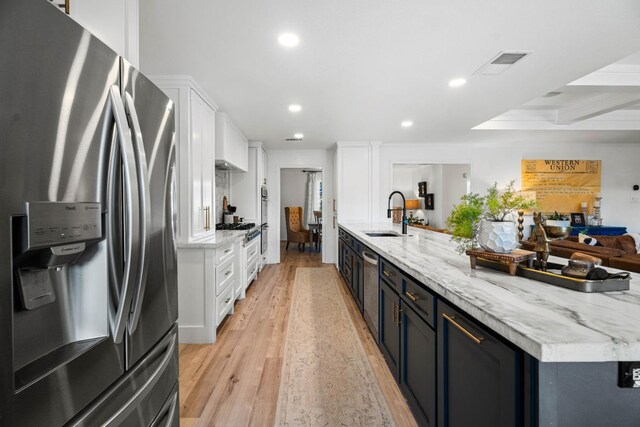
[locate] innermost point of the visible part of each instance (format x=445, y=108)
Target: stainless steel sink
x=382, y=234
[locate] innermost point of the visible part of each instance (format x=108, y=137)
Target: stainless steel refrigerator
x=88, y=274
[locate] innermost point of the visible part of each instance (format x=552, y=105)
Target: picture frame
x=422, y=189
x=578, y=219
x=429, y=202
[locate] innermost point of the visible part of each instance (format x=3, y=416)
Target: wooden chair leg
x=287, y=248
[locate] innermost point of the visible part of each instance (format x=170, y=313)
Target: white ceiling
x=607, y=99
x=363, y=66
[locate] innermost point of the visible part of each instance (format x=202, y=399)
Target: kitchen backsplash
x=223, y=188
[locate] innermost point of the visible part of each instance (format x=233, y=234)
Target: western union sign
x=562, y=185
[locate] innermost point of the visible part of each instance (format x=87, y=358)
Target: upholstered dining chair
x=317, y=233
x=295, y=231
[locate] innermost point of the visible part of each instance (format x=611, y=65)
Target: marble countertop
x=551, y=323
x=220, y=238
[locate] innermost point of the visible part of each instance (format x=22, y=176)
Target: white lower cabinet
x=207, y=288
x=224, y=304
x=250, y=262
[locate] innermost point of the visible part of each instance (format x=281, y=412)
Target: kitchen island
x=505, y=350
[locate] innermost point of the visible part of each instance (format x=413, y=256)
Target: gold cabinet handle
x=394, y=312
x=207, y=218
x=386, y=273
x=452, y=319
x=411, y=296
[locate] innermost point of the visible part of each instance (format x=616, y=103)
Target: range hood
x=232, y=147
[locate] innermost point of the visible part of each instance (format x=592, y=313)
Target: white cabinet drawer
x=253, y=251
x=224, y=304
x=252, y=270
x=225, y=253
x=225, y=274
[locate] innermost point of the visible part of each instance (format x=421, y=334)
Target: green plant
x=555, y=216
x=464, y=221
x=501, y=204
x=465, y=218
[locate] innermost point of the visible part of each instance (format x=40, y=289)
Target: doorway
x=301, y=190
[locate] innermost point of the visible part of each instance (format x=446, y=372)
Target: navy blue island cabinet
x=351, y=265
x=455, y=371
x=408, y=340
x=479, y=375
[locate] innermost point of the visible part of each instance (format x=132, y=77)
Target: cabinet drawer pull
x=411, y=296
x=387, y=274
x=227, y=300
x=477, y=340
x=228, y=272
x=227, y=251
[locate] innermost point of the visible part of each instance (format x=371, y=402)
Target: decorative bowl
x=555, y=232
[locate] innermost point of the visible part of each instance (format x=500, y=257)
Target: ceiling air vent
x=500, y=63
x=293, y=139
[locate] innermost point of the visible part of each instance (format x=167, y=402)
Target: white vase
x=500, y=237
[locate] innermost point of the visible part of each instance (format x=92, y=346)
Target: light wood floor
x=235, y=381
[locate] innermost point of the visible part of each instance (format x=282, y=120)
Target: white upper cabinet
x=195, y=140
x=201, y=170
x=245, y=187
x=231, y=145
x=357, y=170
x=115, y=22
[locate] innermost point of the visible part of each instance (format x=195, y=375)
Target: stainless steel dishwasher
x=371, y=290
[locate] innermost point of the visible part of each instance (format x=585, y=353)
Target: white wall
x=293, y=188
x=432, y=174
x=454, y=186
x=501, y=162
x=317, y=159
x=444, y=181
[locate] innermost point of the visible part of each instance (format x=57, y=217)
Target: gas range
x=237, y=226
x=250, y=227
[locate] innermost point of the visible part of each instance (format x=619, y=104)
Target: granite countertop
x=551, y=323
x=220, y=238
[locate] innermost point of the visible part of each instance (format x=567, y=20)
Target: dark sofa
x=616, y=251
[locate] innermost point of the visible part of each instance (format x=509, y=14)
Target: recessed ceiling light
x=457, y=82
x=294, y=108
x=298, y=135
x=406, y=124
x=289, y=39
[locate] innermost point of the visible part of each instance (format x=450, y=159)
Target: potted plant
x=488, y=221
x=557, y=219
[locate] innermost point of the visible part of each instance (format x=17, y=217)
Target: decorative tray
x=553, y=277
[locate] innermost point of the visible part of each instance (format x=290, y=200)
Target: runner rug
x=326, y=379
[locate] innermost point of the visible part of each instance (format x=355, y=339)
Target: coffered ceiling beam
x=596, y=106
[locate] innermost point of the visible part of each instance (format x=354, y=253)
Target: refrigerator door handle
x=145, y=212
x=118, y=320
x=146, y=388
x=171, y=192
